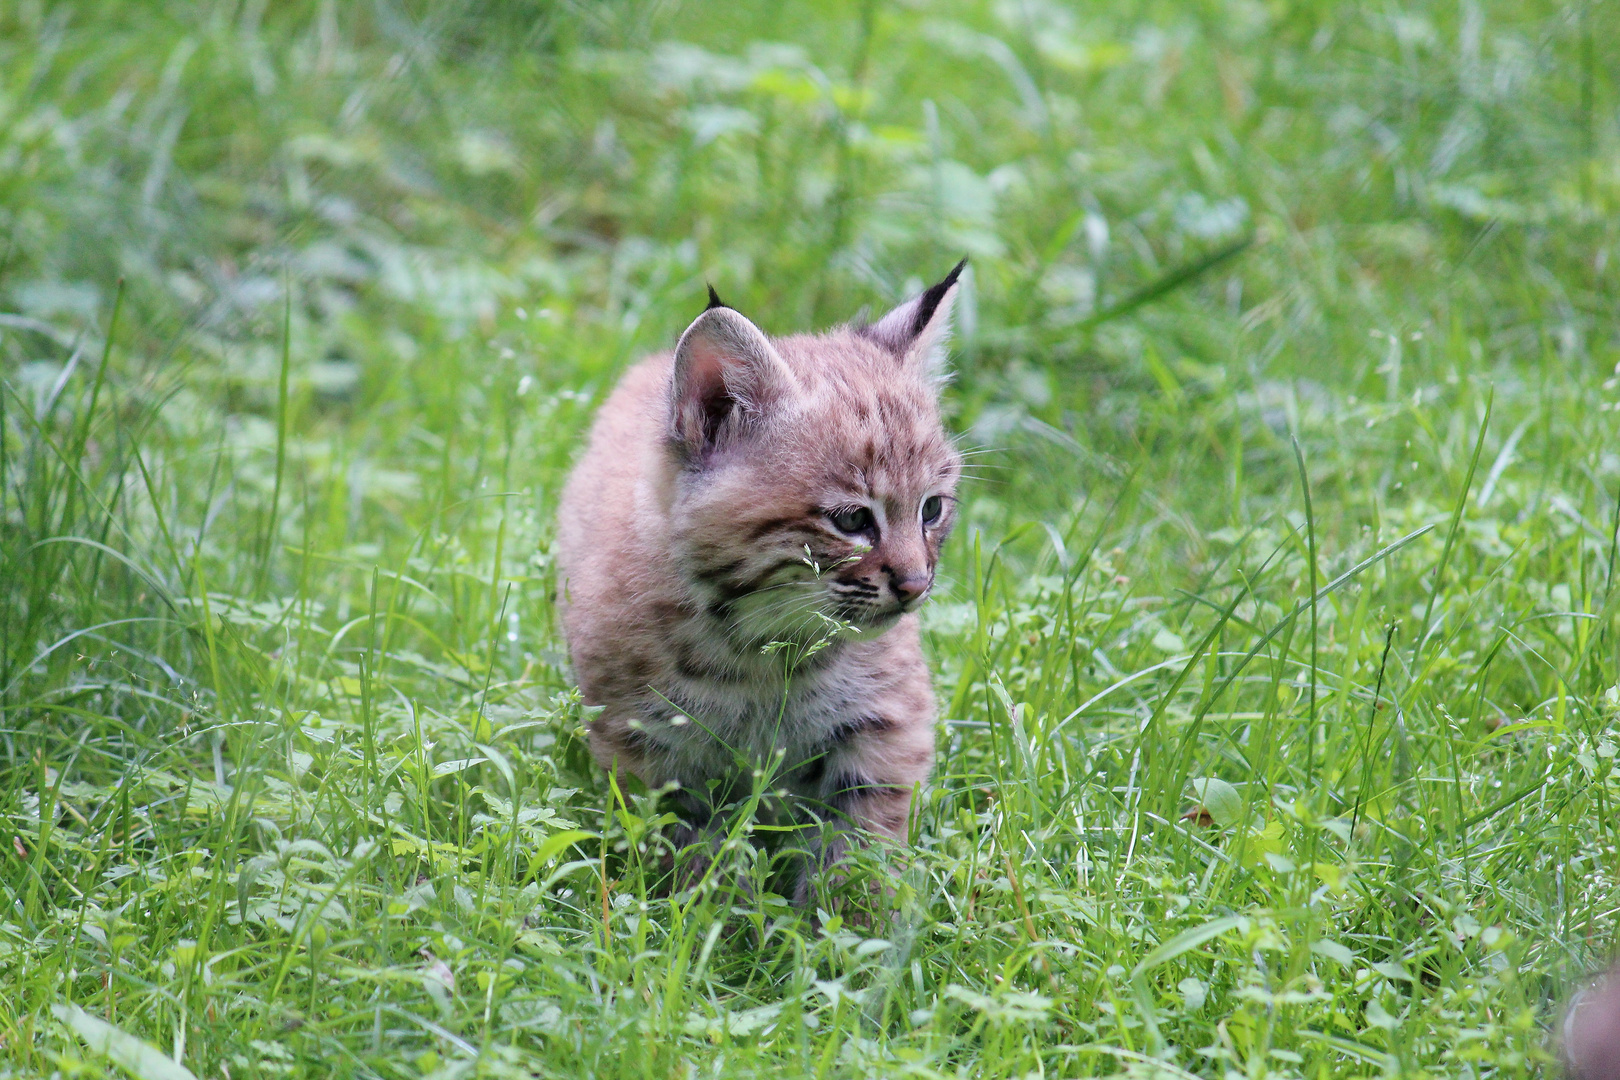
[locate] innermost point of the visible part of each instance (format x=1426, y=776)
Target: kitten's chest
x=720, y=727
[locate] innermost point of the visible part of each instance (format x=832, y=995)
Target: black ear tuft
x=715, y=301
x=929, y=301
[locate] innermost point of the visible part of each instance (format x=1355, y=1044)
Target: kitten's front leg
x=621, y=743
x=860, y=814
x=868, y=790
x=694, y=841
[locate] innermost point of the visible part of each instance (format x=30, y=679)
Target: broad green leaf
x=1186, y=941
x=139, y=1057
x=1221, y=799
x=445, y=768
x=1334, y=951
x=555, y=844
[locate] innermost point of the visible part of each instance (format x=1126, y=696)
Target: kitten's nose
x=908, y=587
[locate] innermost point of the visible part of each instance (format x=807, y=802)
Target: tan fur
x=682, y=541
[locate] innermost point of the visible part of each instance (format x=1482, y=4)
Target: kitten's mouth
x=875, y=616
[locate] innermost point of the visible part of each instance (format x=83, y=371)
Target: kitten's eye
x=853, y=520
x=932, y=507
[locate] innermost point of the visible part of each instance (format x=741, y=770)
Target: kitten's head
x=813, y=478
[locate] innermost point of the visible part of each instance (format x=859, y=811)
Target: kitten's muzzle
x=909, y=589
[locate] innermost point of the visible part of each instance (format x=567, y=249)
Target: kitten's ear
x=917, y=330
x=727, y=376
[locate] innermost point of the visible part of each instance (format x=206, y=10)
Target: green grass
x=1278, y=644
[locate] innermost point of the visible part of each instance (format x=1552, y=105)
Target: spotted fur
x=742, y=491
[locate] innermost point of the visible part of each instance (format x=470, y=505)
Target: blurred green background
x=305, y=306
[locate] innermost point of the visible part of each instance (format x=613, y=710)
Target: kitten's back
x=608, y=524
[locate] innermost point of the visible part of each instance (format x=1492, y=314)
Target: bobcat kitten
x=741, y=551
